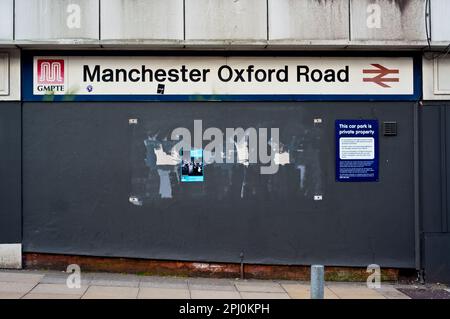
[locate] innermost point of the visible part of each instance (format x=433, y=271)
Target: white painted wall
x=11, y=256
x=4, y=74
x=440, y=18
x=436, y=79
x=9, y=75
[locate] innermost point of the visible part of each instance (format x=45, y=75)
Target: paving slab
x=303, y=291
x=259, y=286
x=214, y=294
x=162, y=282
x=102, y=292
x=390, y=292
x=354, y=292
x=11, y=295
x=211, y=284
x=19, y=287
x=50, y=296
x=27, y=284
x=163, y=293
x=264, y=295
x=114, y=280
x=58, y=289
x=61, y=278
x=22, y=277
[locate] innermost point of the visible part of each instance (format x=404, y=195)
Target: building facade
x=270, y=132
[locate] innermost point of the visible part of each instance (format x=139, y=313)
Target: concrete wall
x=142, y=20
x=388, y=20
x=292, y=20
x=258, y=23
x=226, y=20
x=70, y=21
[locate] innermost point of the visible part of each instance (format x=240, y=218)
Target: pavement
x=32, y=284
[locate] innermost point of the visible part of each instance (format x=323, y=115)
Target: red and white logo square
x=50, y=71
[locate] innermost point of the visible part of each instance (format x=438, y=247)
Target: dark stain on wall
x=402, y=4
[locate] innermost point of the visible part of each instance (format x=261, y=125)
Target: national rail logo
x=381, y=75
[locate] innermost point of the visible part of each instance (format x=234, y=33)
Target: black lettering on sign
x=92, y=76
x=305, y=74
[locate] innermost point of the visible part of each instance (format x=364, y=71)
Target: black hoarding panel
x=10, y=172
x=432, y=161
x=100, y=179
x=437, y=262
x=435, y=146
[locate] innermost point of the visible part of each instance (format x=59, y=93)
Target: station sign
x=210, y=76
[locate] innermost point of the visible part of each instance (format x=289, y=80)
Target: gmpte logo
x=50, y=75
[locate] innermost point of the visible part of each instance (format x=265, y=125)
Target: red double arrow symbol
x=381, y=78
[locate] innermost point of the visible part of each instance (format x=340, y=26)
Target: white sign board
x=137, y=75
x=4, y=73
x=356, y=148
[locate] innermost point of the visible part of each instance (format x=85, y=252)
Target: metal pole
x=317, y=281
x=417, y=226
x=242, y=265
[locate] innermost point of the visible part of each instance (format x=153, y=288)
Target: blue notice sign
x=356, y=150
x=192, y=168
